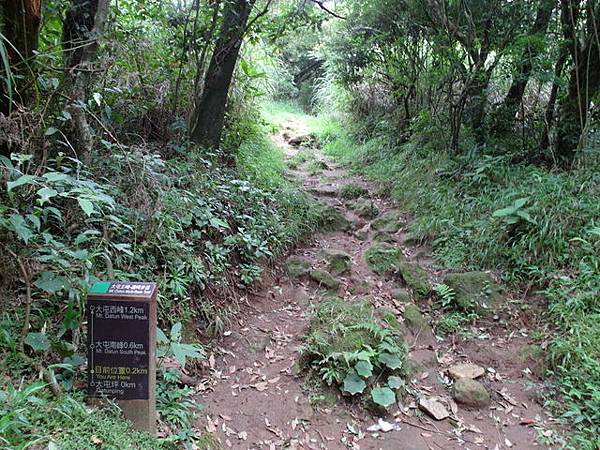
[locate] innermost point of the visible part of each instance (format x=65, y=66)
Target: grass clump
x=349, y=347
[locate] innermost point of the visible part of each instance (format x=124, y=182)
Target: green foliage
x=347, y=346
x=445, y=293
x=172, y=346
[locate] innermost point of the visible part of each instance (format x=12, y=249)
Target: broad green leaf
x=353, y=384
x=50, y=131
x=520, y=202
x=364, y=368
x=86, y=206
x=176, y=332
x=504, y=212
x=46, y=194
x=161, y=337
x=35, y=220
x=184, y=351
x=395, y=382
x=21, y=228
x=86, y=236
x=49, y=282
x=23, y=179
x=37, y=341
x=383, y=396
x=215, y=222
x=97, y=98
x=391, y=361
x=55, y=176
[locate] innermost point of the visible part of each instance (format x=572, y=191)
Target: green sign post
x=122, y=348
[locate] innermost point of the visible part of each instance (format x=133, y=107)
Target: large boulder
x=475, y=292
x=383, y=258
x=297, y=267
x=415, y=277
x=470, y=392
x=465, y=370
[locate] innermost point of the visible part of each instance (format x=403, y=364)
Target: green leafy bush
x=348, y=346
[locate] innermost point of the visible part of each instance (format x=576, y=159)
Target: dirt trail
x=254, y=399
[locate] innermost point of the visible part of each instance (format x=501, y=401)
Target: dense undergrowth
x=202, y=230
x=536, y=228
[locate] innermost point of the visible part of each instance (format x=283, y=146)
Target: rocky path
x=257, y=396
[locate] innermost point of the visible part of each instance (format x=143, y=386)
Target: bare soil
x=256, y=398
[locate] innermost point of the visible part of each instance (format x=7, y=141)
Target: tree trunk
x=584, y=84
x=549, y=114
x=20, y=25
x=82, y=28
x=206, y=124
x=510, y=105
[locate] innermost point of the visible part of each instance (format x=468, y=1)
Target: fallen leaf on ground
x=262, y=386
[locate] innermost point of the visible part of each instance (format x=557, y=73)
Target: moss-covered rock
x=415, y=277
x=338, y=262
x=324, y=279
x=332, y=219
x=351, y=191
x=365, y=209
x=389, y=222
x=297, y=267
x=475, y=292
x=382, y=236
x=389, y=317
x=383, y=258
x=402, y=295
x=415, y=320
x=470, y=393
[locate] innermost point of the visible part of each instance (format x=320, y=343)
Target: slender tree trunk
x=549, y=114
x=478, y=102
x=82, y=29
x=507, y=111
x=20, y=25
x=206, y=124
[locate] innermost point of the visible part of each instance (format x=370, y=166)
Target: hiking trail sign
x=121, y=319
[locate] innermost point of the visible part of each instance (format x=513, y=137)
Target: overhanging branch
x=321, y=5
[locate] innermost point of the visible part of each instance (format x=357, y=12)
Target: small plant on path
x=347, y=346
